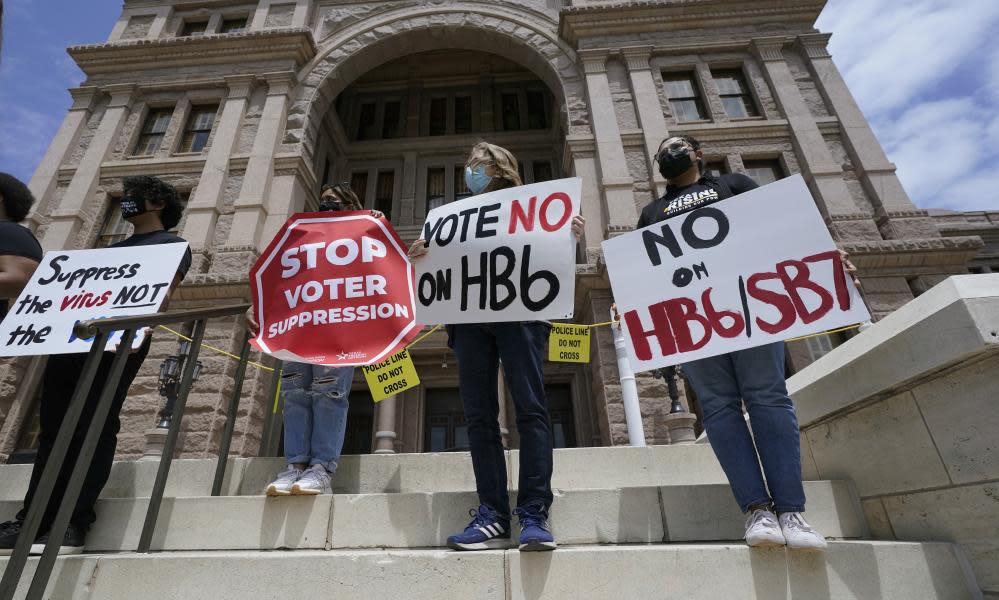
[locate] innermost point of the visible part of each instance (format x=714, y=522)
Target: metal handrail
x=100, y=330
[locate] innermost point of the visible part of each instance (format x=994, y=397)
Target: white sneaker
x=763, y=530
x=285, y=479
x=799, y=534
x=315, y=480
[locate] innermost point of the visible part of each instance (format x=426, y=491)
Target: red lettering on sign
x=801, y=281
x=526, y=219
x=778, y=301
x=715, y=317
x=566, y=211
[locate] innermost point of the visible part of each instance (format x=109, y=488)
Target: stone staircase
x=656, y=522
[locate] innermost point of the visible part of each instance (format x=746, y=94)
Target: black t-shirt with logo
x=158, y=237
x=16, y=240
x=707, y=190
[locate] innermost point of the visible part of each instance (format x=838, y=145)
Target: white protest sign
x=753, y=269
x=75, y=285
x=507, y=255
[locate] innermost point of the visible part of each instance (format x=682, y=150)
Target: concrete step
x=620, y=466
x=678, y=513
x=847, y=570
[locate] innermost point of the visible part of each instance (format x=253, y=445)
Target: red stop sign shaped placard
x=334, y=289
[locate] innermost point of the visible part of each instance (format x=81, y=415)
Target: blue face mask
x=477, y=180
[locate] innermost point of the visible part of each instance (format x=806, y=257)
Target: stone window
x=510, y=111
x=764, y=171
x=384, y=192
x=559, y=400
x=445, y=428
x=684, y=97
x=366, y=123
x=542, y=171
x=735, y=94
x=198, y=128
x=390, y=120
x=359, y=184
x=438, y=116
x=715, y=168
x=436, y=188
x=194, y=28
x=536, y=117
x=153, y=131
x=233, y=25
x=819, y=346
x=462, y=114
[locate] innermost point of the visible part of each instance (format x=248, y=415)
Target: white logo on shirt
x=687, y=200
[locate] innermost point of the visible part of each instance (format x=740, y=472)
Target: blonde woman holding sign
x=520, y=346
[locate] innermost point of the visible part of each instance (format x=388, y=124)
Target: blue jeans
x=315, y=412
x=754, y=376
x=521, y=347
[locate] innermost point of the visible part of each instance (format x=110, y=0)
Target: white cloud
x=926, y=73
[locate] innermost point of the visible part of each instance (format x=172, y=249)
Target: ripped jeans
x=315, y=412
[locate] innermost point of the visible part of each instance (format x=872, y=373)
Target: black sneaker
x=8, y=536
x=72, y=542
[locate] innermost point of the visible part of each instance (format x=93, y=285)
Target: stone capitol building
x=249, y=106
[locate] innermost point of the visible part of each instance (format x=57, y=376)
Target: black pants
x=521, y=347
x=59, y=381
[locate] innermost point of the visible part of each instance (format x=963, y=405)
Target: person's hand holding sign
x=418, y=249
x=849, y=267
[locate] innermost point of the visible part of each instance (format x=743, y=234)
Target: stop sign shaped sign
x=334, y=288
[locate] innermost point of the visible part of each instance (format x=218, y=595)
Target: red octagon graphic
x=334, y=289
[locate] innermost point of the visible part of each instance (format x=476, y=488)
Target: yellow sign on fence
x=569, y=343
x=391, y=376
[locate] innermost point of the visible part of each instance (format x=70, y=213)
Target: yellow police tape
x=218, y=350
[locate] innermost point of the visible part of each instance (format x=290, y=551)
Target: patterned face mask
x=132, y=207
x=476, y=179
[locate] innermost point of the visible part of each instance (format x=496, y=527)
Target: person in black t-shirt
x=20, y=252
x=152, y=207
x=754, y=376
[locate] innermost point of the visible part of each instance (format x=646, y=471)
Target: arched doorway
x=400, y=133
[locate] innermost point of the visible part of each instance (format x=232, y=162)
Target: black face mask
x=675, y=162
x=132, y=207
x=330, y=204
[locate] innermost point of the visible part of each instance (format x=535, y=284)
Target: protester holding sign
x=479, y=348
x=20, y=252
x=152, y=207
x=315, y=399
x=754, y=376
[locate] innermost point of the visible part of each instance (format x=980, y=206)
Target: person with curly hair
x=152, y=207
x=20, y=252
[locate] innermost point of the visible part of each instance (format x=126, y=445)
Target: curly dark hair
x=17, y=198
x=156, y=191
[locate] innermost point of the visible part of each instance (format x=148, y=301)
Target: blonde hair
x=485, y=153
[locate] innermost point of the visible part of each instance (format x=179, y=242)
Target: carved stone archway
x=517, y=33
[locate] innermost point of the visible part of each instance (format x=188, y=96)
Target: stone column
x=486, y=111
x=46, y=176
x=407, y=202
x=650, y=111
x=581, y=162
x=75, y=208
x=615, y=179
x=898, y=217
x=251, y=207
x=818, y=167
x=204, y=207
x=385, y=431
x=160, y=21
x=413, y=103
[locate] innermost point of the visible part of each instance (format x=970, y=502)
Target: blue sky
x=925, y=72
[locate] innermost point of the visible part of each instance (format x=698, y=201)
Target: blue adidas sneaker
x=535, y=533
x=486, y=531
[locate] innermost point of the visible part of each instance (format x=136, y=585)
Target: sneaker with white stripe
x=486, y=531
